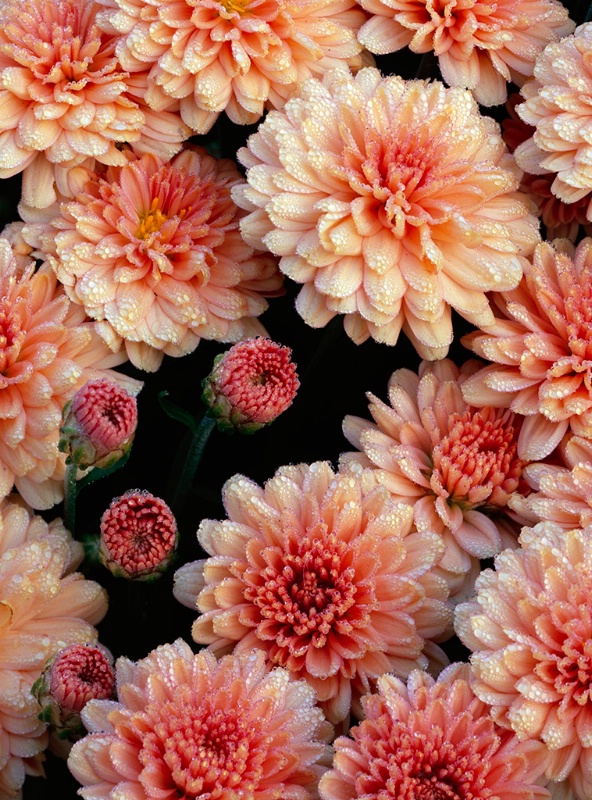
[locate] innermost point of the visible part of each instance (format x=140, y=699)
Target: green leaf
x=176, y=412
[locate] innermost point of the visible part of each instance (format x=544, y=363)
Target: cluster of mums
x=324, y=595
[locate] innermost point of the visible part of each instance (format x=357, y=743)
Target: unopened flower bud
x=98, y=425
x=138, y=536
x=76, y=674
x=251, y=384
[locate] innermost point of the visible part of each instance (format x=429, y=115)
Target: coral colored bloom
x=392, y=201
x=558, y=104
x=153, y=253
x=541, y=342
x=63, y=94
x=432, y=740
x=139, y=536
x=455, y=463
x=480, y=46
x=238, y=56
x=48, y=350
x=323, y=572
x=188, y=726
x=44, y=605
x=251, y=385
x=530, y=630
x=98, y=424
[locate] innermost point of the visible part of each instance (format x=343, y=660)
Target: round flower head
x=44, y=606
x=455, y=463
x=558, y=105
x=238, y=56
x=152, y=251
x=530, y=630
x=139, y=536
x=480, y=46
x=251, y=385
x=76, y=674
x=98, y=424
x=392, y=201
x=188, y=726
x=48, y=350
x=432, y=740
x=324, y=573
x=541, y=343
x=63, y=93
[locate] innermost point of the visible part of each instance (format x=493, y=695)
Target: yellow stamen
x=151, y=221
x=235, y=6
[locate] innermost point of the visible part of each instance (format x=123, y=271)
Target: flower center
x=11, y=336
x=477, y=461
x=208, y=746
x=235, y=6
x=150, y=221
x=578, y=312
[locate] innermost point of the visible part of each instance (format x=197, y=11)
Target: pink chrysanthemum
x=392, y=201
x=541, y=342
x=432, y=740
x=238, y=56
x=80, y=673
x=188, y=726
x=63, y=94
x=138, y=536
x=530, y=630
x=456, y=464
x=47, y=351
x=558, y=104
x=323, y=572
x=251, y=385
x=43, y=607
x=480, y=46
x=153, y=253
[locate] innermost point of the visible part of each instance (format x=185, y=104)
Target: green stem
x=70, y=494
x=192, y=459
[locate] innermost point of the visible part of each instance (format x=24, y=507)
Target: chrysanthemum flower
x=392, y=201
x=480, y=46
x=153, y=253
x=63, y=94
x=47, y=351
x=238, y=56
x=541, y=342
x=323, y=572
x=558, y=105
x=188, y=726
x=530, y=630
x=432, y=740
x=251, y=385
x=138, y=536
x=454, y=463
x=44, y=606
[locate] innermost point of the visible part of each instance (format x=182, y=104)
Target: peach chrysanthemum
x=153, y=252
x=392, y=201
x=63, y=94
x=323, y=572
x=530, y=630
x=454, y=463
x=558, y=104
x=189, y=726
x=48, y=351
x=44, y=606
x=541, y=342
x=480, y=46
x=432, y=740
x=238, y=56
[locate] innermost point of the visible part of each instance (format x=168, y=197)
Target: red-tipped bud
x=98, y=425
x=76, y=674
x=251, y=384
x=138, y=536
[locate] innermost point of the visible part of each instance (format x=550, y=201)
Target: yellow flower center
x=150, y=221
x=235, y=6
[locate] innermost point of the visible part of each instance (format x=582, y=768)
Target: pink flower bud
x=138, y=536
x=76, y=674
x=251, y=384
x=98, y=425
